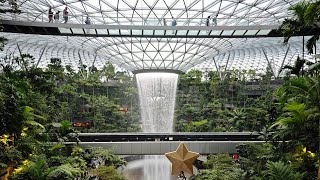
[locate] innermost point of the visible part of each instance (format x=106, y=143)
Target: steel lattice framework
x=134, y=53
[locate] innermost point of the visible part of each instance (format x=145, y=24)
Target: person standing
x=65, y=14
x=182, y=176
x=50, y=15
x=208, y=21
x=87, y=21
x=214, y=20
x=173, y=23
x=164, y=22
x=56, y=16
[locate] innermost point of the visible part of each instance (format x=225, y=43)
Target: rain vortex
x=157, y=94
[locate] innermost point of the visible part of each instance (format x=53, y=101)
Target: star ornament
x=182, y=160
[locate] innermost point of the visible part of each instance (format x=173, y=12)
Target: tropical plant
x=220, y=167
x=34, y=169
x=297, y=69
x=107, y=173
x=64, y=171
x=292, y=120
x=280, y=170
x=109, y=158
x=253, y=158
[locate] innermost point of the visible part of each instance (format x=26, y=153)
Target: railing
x=153, y=21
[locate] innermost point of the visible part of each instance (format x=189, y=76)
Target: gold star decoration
x=182, y=160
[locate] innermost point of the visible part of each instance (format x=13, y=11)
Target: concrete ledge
x=162, y=147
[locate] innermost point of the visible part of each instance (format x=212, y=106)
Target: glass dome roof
x=134, y=53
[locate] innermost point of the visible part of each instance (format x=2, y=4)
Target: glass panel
x=204, y=33
x=102, y=31
x=137, y=32
x=124, y=32
x=90, y=31
x=215, y=33
x=227, y=32
x=251, y=32
x=239, y=32
x=77, y=31
x=181, y=32
x=114, y=31
x=172, y=32
x=148, y=32
x=65, y=30
x=193, y=32
x=159, y=32
x=264, y=32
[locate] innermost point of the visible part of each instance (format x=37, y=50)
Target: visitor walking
x=164, y=22
x=50, y=15
x=56, y=17
x=214, y=21
x=173, y=23
x=87, y=21
x=208, y=21
x=65, y=14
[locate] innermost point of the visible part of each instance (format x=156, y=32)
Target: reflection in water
x=156, y=168
x=157, y=94
x=148, y=168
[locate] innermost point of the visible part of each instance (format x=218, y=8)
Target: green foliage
x=306, y=15
x=109, y=158
x=253, y=158
x=297, y=68
x=108, y=71
x=220, y=104
x=65, y=171
x=9, y=154
x=280, y=170
x=300, y=111
x=34, y=169
x=303, y=160
x=57, y=147
x=108, y=173
x=221, y=167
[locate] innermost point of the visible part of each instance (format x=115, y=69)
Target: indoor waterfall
x=157, y=94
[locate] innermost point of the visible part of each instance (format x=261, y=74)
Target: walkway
x=161, y=143
x=143, y=31
x=175, y=136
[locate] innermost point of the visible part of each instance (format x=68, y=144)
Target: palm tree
x=306, y=17
x=297, y=69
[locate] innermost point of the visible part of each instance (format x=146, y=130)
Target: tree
x=305, y=91
x=297, y=69
x=108, y=71
x=306, y=16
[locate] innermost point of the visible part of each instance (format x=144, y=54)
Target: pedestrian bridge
x=101, y=30
x=161, y=143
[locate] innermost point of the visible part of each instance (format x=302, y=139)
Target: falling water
x=157, y=93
